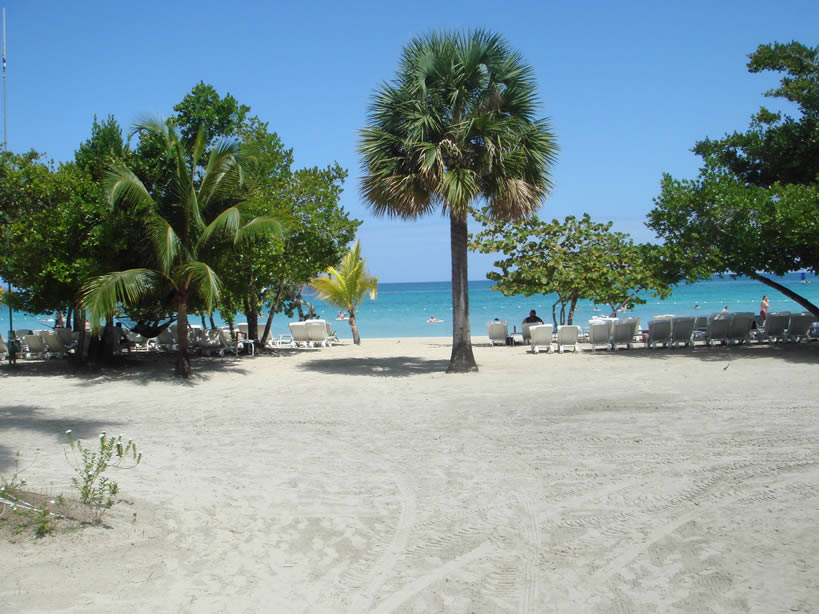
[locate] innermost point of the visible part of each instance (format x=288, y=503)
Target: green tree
x=194, y=217
x=455, y=126
x=753, y=208
x=202, y=109
x=575, y=259
x=346, y=286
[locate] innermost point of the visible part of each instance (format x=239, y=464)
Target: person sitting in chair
x=533, y=318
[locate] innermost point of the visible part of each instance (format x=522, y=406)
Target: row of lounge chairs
x=666, y=331
x=42, y=344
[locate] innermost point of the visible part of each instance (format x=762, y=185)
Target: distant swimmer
x=697, y=306
x=433, y=320
x=341, y=316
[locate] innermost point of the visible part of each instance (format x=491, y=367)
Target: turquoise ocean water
x=402, y=309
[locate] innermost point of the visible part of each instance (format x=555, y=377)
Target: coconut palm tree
x=347, y=286
x=191, y=217
x=457, y=125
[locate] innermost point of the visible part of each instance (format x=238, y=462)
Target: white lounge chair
x=541, y=337
x=799, y=326
x=776, y=323
x=623, y=334
x=166, y=341
x=67, y=337
x=682, y=331
x=317, y=332
x=659, y=331
x=35, y=347
x=524, y=330
x=331, y=334
x=55, y=346
x=211, y=342
x=739, y=327
x=567, y=336
x=599, y=334
x=4, y=350
x=717, y=330
x=498, y=332
x=300, y=335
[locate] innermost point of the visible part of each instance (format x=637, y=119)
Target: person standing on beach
x=763, y=308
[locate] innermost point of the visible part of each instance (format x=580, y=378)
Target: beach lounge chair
x=55, y=346
x=300, y=335
x=739, y=327
x=623, y=334
x=541, y=337
x=67, y=337
x=524, y=328
x=717, y=330
x=498, y=332
x=35, y=347
x=567, y=336
x=331, y=334
x=317, y=332
x=599, y=334
x=799, y=327
x=682, y=331
x=211, y=342
x=166, y=341
x=776, y=323
x=4, y=350
x=659, y=331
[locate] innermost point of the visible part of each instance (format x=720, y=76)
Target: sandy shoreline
x=364, y=479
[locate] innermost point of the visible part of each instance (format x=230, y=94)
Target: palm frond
x=122, y=186
x=203, y=280
x=168, y=246
x=101, y=295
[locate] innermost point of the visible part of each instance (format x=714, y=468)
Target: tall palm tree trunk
x=354, y=328
x=183, y=365
x=462, y=359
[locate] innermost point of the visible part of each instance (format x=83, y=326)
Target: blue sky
x=629, y=86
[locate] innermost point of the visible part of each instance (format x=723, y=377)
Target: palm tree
x=347, y=285
x=456, y=125
x=191, y=217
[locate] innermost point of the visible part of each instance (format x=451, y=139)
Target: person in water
x=433, y=320
x=763, y=308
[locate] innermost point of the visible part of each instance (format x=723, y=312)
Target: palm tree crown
x=456, y=125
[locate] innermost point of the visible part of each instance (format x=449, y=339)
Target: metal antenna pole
x=5, y=141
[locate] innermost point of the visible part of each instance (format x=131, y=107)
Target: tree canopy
x=577, y=259
x=753, y=208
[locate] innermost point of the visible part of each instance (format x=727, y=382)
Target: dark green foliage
x=754, y=208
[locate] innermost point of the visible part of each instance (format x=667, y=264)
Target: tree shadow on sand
x=30, y=418
x=393, y=366
x=801, y=353
x=139, y=368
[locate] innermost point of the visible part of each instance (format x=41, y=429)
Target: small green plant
x=43, y=524
x=97, y=491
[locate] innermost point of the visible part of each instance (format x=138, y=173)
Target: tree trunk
x=273, y=309
x=789, y=293
x=354, y=328
x=252, y=312
x=183, y=365
x=108, y=340
x=212, y=323
x=554, y=312
x=572, y=305
x=462, y=359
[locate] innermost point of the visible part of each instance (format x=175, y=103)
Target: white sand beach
x=365, y=479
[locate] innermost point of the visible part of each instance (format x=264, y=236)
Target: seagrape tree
x=753, y=208
x=577, y=259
